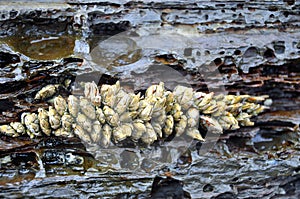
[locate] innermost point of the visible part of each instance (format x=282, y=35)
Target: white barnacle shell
x=42, y=113
x=181, y=125
x=91, y=92
x=139, y=129
x=54, y=118
x=158, y=106
x=204, y=103
x=79, y=131
x=231, y=120
x=44, y=121
x=244, y=119
x=33, y=128
x=150, y=135
x=161, y=118
x=184, y=96
x=169, y=101
x=259, y=110
x=145, y=110
x=32, y=124
x=219, y=97
x=46, y=92
x=150, y=91
x=108, y=98
x=108, y=93
x=23, y=115
x=73, y=105
x=96, y=132
x=176, y=112
x=100, y=115
x=111, y=116
x=160, y=90
x=228, y=99
x=67, y=83
x=240, y=98
x=234, y=108
x=193, y=117
x=122, y=101
x=233, y=99
x=116, y=87
x=84, y=122
x=213, y=107
x=18, y=127
x=220, y=110
x=198, y=97
x=8, y=130
x=134, y=101
x=60, y=104
x=87, y=108
x=211, y=124
x=245, y=106
x=128, y=116
x=255, y=109
x=246, y=122
x=105, y=135
x=223, y=121
x=67, y=121
x=62, y=132
x=121, y=132
x=157, y=128
x=104, y=88
x=242, y=116
x=169, y=124
x=194, y=133
x=155, y=90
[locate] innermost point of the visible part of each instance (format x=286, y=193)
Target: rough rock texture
x=247, y=47
x=245, y=33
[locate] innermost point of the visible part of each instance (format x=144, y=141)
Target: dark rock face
x=208, y=17
x=7, y=58
x=167, y=188
x=248, y=47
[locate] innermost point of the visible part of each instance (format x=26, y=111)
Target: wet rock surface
x=247, y=47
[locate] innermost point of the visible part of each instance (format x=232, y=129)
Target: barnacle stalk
x=111, y=114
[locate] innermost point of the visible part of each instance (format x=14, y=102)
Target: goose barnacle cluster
x=111, y=114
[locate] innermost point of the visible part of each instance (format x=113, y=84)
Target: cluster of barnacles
x=111, y=114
